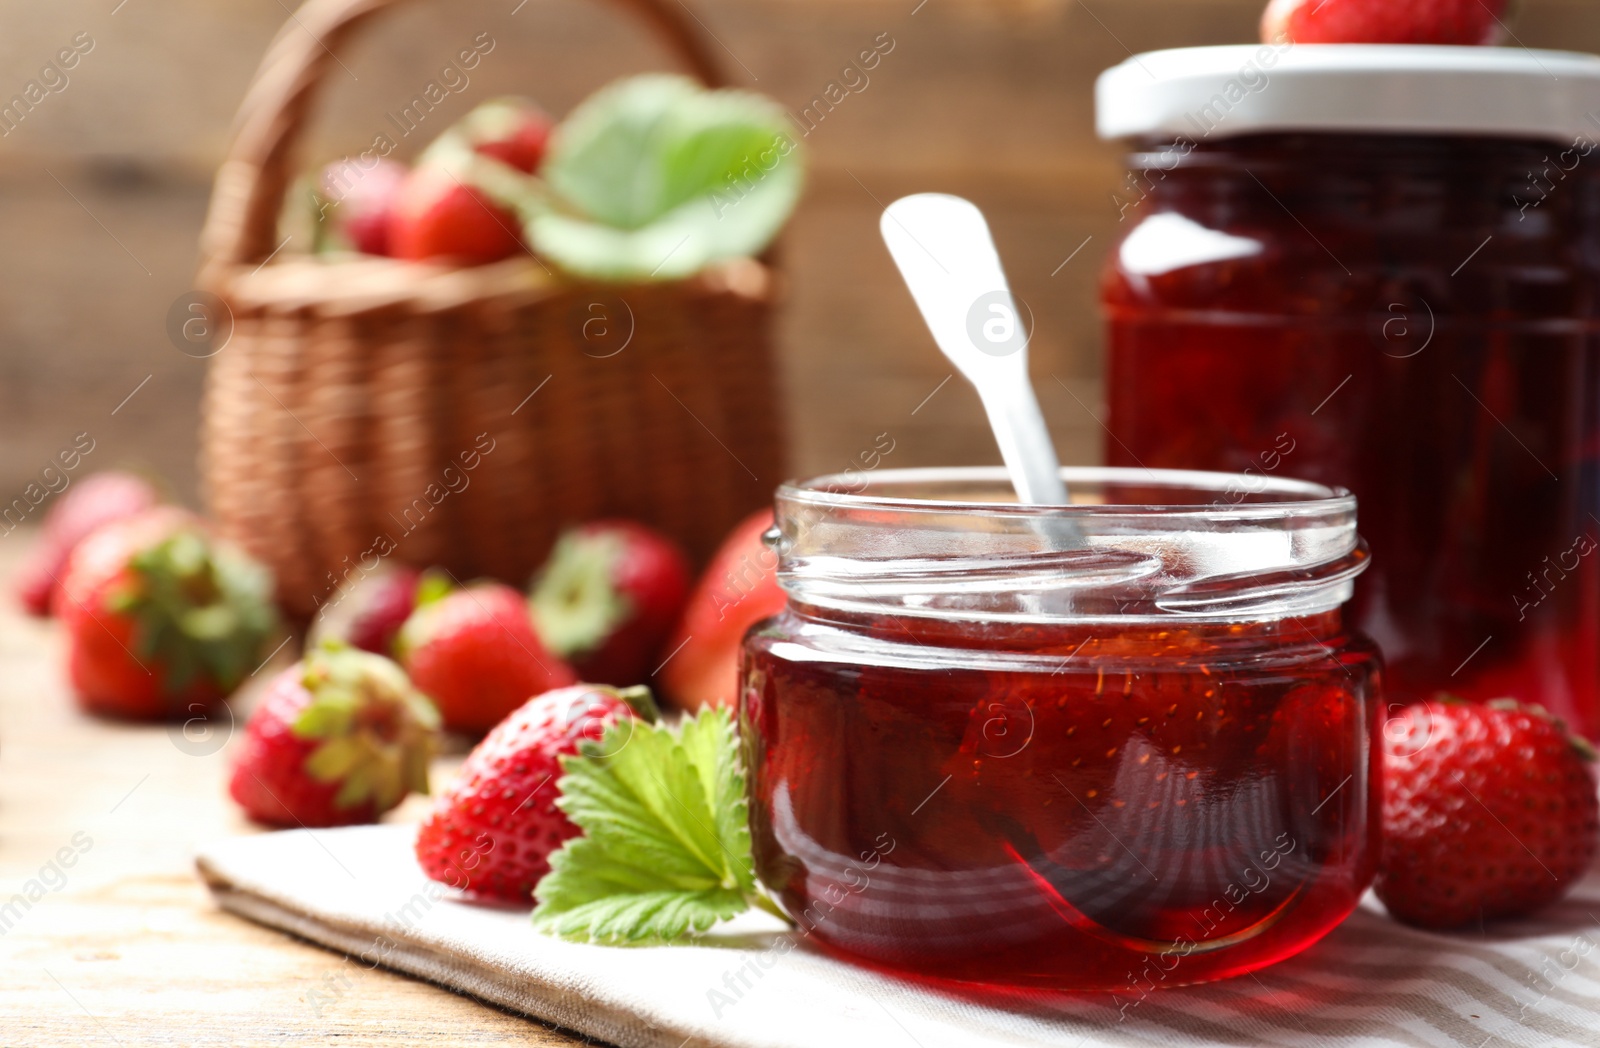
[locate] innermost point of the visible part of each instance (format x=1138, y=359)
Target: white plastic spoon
x=945, y=253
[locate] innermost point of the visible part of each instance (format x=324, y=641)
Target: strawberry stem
x=762, y=901
x=641, y=701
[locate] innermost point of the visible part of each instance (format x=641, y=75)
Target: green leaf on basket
x=655, y=177
x=665, y=849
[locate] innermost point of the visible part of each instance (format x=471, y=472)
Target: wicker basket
x=461, y=417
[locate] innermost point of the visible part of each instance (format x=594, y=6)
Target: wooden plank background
x=103, y=187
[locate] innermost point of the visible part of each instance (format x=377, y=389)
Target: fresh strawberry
x=607, y=598
x=368, y=613
x=438, y=217
x=383, y=609
x=1382, y=21
x=738, y=589
x=97, y=499
x=161, y=617
x=458, y=206
x=340, y=738
x=514, y=131
x=356, y=204
x=1125, y=759
x=474, y=652
x=1318, y=739
x=494, y=827
x=1488, y=811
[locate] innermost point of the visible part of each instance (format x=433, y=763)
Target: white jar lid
x=1214, y=92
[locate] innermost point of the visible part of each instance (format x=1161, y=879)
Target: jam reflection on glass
x=1414, y=319
x=1061, y=807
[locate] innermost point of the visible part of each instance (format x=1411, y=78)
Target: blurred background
x=103, y=188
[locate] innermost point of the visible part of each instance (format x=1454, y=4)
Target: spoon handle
x=1025, y=445
x=947, y=256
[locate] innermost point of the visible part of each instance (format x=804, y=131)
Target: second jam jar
x=1379, y=268
x=1117, y=745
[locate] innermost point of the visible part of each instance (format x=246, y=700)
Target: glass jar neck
x=1365, y=153
x=1388, y=183
x=1157, y=548
x=1071, y=637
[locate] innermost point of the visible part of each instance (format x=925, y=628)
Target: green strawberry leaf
x=655, y=178
x=714, y=752
x=642, y=915
x=665, y=849
x=603, y=159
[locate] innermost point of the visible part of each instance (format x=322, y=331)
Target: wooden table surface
x=125, y=947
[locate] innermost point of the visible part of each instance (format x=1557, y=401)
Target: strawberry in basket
x=456, y=205
x=356, y=204
x=462, y=201
x=513, y=131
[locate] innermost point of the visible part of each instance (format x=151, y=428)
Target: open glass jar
x=1122, y=743
x=1379, y=267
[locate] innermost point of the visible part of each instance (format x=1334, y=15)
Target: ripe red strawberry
x=475, y=654
x=494, y=827
x=356, y=203
x=340, y=738
x=456, y=206
x=738, y=589
x=161, y=617
x=1382, y=21
x=1138, y=757
x=1488, y=811
x=369, y=613
x=607, y=598
x=1319, y=737
x=514, y=131
x=97, y=499
x=384, y=610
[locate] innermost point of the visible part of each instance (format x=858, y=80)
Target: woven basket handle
x=242, y=224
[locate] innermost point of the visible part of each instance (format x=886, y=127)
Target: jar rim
x=1176, y=544
x=834, y=489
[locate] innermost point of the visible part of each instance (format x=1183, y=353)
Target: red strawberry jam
x=1463, y=411
x=1105, y=800
x=1399, y=295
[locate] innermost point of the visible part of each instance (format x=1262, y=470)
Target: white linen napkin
x=751, y=984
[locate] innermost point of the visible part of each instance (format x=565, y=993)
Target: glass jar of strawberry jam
x=1379, y=268
x=1114, y=745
